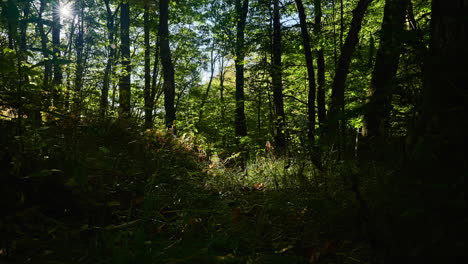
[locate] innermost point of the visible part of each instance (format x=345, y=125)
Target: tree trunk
x=385, y=69
x=321, y=109
x=147, y=89
x=104, y=102
x=277, y=82
x=208, y=88
x=44, y=41
x=166, y=61
x=310, y=69
x=341, y=24
x=124, y=83
x=241, y=15
x=445, y=111
x=335, y=52
x=79, y=45
x=221, y=88
x=156, y=90
x=57, y=80
x=437, y=166
x=341, y=74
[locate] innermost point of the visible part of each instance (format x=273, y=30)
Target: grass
x=109, y=195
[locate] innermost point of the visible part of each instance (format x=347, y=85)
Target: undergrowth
x=103, y=193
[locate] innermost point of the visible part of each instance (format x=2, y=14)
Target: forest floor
x=115, y=196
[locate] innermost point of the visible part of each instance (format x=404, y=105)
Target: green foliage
x=79, y=187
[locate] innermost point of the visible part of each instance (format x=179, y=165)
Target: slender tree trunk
x=23, y=45
x=341, y=74
x=385, y=69
x=156, y=90
x=221, y=89
x=242, y=8
x=335, y=52
x=44, y=41
x=79, y=45
x=124, y=83
x=341, y=24
x=321, y=109
x=68, y=70
x=208, y=88
x=48, y=66
x=58, y=76
x=221, y=96
x=147, y=89
x=277, y=82
x=310, y=69
x=166, y=61
x=33, y=112
x=104, y=101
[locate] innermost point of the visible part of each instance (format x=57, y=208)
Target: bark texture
x=166, y=61
x=242, y=8
x=310, y=69
x=277, y=82
x=321, y=108
x=124, y=83
x=385, y=69
x=341, y=74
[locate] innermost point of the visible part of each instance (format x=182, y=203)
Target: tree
x=437, y=164
x=277, y=81
x=321, y=108
x=124, y=84
x=166, y=61
x=341, y=73
x=79, y=46
x=444, y=124
x=147, y=89
x=57, y=79
x=385, y=69
x=242, y=8
x=213, y=59
x=111, y=48
x=310, y=69
x=44, y=47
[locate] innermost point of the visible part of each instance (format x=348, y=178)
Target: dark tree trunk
x=166, y=61
x=33, y=110
x=104, y=101
x=221, y=89
x=147, y=89
x=58, y=76
x=341, y=24
x=437, y=165
x=277, y=82
x=79, y=45
x=321, y=109
x=242, y=8
x=44, y=41
x=385, y=69
x=23, y=32
x=124, y=83
x=341, y=74
x=445, y=107
x=310, y=69
x=335, y=50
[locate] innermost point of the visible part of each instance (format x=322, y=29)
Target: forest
x=233, y=131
